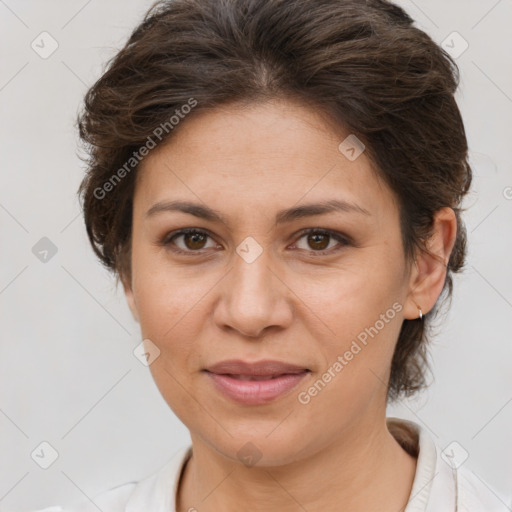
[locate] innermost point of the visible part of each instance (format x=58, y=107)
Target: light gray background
x=68, y=374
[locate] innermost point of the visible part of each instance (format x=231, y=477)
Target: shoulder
x=150, y=493
x=475, y=494
x=455, y=482
x=443, y=481
x=111, y=500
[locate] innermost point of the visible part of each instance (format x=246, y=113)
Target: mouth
x=255, y=383
x=266, y=368
x=255, y=377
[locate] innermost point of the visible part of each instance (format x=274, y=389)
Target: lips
x=252, y=377
x=255, y=383
x=260, y=370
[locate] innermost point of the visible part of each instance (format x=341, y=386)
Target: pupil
x=197, y=238
x=316, y=242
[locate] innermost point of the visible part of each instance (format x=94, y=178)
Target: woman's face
x=253, y=286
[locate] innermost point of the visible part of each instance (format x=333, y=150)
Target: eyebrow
x=283, y=216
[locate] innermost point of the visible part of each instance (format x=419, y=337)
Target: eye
x=319, y=240
x=194, y=240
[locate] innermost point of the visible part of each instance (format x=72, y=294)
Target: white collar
x=434, y=488
x=154, y=493
x=437, y=487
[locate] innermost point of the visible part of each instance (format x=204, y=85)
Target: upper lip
x=266, y=367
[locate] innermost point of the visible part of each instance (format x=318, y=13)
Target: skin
x=289, y=304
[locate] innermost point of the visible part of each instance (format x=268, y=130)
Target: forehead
x=271, y=155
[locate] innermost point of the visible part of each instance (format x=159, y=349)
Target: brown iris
x=317, y=240
x=194, y=240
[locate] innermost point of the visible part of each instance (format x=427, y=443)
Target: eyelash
x=167, y=241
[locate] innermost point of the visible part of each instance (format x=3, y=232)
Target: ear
x=429, y=273
x=130, y=298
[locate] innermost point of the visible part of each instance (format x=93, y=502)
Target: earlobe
x=429, y=273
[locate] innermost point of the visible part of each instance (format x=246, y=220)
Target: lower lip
x=256, y=392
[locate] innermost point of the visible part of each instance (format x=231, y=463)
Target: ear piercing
x=420, y=313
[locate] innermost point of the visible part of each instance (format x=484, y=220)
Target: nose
x=253, y=298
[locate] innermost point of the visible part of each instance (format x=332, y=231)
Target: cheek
x=169, y=312
x=163, y=295
x=357, y=366
x=359, y=307
x=173, y=312
x=168, y=317
x=351, y=296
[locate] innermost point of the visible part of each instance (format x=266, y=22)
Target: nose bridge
x=251, y=272
x=252, y=297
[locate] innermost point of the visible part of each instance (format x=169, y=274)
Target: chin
x=258, y=446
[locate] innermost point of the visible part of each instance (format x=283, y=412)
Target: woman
x=277, y=186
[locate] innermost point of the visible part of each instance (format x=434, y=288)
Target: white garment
x=438, y=486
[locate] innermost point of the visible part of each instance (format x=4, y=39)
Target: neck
x=365, y=470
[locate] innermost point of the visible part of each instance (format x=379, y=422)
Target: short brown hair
x=361, y=63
